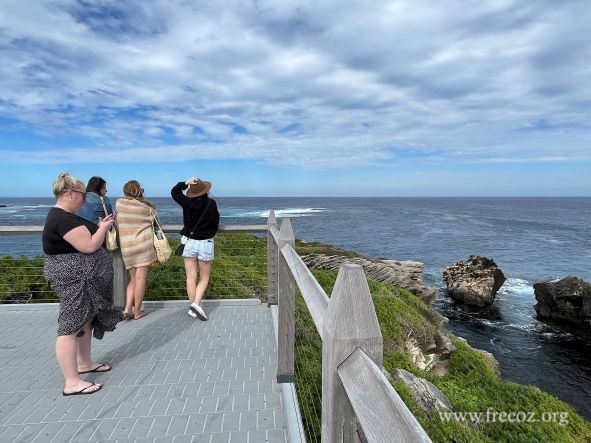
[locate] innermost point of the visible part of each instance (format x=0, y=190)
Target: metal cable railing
x=239, y=271
x=308, y=371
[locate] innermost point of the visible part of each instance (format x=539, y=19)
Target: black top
x=193, y=209
x=57, y=224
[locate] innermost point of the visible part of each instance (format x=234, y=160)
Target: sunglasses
x=80, y=192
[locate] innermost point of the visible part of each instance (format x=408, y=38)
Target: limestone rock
x=474, y=282
x=566, y=302
x=421, y=360
x=405, y=274
x=428, y=396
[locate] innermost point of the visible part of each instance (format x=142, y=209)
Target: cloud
x=320, y=84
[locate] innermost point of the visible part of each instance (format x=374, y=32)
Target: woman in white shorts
x=200, y=224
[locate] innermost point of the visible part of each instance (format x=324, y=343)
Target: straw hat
x=198, y=189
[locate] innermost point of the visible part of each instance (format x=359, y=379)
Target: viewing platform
x=174, y=378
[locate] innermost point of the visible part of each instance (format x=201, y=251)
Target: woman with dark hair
x=80, y=272
x=136, y=236
x=96, y=191
x=200, y=224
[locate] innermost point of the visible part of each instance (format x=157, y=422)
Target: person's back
x=200, y=224
x=93, y=209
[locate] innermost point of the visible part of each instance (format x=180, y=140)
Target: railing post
x=119, y=276
x=272, y=256
x=350, y=323
x=286, y=309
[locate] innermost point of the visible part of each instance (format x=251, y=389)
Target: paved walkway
x=173, y=379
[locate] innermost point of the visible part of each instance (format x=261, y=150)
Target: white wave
x=517, y=286
x=489, y=323
x=24, y=208
x=288, y=212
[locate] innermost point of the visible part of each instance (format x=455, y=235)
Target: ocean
x=531, y=240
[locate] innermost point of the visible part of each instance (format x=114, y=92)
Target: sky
x=298, y=98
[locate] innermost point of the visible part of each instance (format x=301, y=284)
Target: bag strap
x=104, y=206
x=200, y=218
x=155, y=220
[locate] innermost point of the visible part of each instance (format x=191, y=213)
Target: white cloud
x=309, y=84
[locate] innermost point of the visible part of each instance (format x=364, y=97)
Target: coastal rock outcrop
x=404, y=274
x=428, y=396
x=474, y=282
x=566, y=302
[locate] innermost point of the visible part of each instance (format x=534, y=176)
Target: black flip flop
x=102, y=365
x=81, y=391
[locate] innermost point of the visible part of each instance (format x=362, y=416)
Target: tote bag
x=163, y=251
x=111, y=235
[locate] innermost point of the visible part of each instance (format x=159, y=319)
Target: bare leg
x=83, y=357
x=191, y=273
x=66, y=350
x=139, y=290
x=204, y=273
x=129, y=292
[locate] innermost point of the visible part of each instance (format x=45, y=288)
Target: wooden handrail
x=357, y=400
x=373, y=398
x=313, y=294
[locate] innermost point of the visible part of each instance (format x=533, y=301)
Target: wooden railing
x=358, y=402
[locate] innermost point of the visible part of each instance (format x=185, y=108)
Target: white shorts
x=199, y=249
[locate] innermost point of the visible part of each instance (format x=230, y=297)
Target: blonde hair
x=64, y=182
x=133, y=190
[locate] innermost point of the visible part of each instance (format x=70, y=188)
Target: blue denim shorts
x=199, y=249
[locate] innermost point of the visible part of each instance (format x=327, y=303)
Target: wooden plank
x=382, y=414
x=275, y=233
x=286, y=307
x=272, y=260
x=350, y=322
x=312, y=293
x=119, y=280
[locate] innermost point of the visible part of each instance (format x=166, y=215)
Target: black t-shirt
x=57, y=224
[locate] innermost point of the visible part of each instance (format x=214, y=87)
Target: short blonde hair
x=64, y=182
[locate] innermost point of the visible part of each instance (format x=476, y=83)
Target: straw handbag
x=163, y=251
x=111, y=235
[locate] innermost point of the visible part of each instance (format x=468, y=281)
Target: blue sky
x=298, y=98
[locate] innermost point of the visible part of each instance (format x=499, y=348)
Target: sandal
x=83, y=391
x=98, y=369
x=140, y=315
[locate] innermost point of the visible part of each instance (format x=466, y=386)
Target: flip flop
x=140, y=315
x=82, y=391
x=102, y=365
x=127, y=316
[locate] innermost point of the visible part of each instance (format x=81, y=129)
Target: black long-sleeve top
x=193, y=209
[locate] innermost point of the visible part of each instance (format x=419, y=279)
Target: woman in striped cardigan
x=136, y=236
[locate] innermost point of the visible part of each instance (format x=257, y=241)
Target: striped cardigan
x=136, y=234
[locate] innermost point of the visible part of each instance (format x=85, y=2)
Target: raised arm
x=85, y=242
x=177, y=193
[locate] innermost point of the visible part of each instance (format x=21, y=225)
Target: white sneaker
x=192, y=314
x=198, y=310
